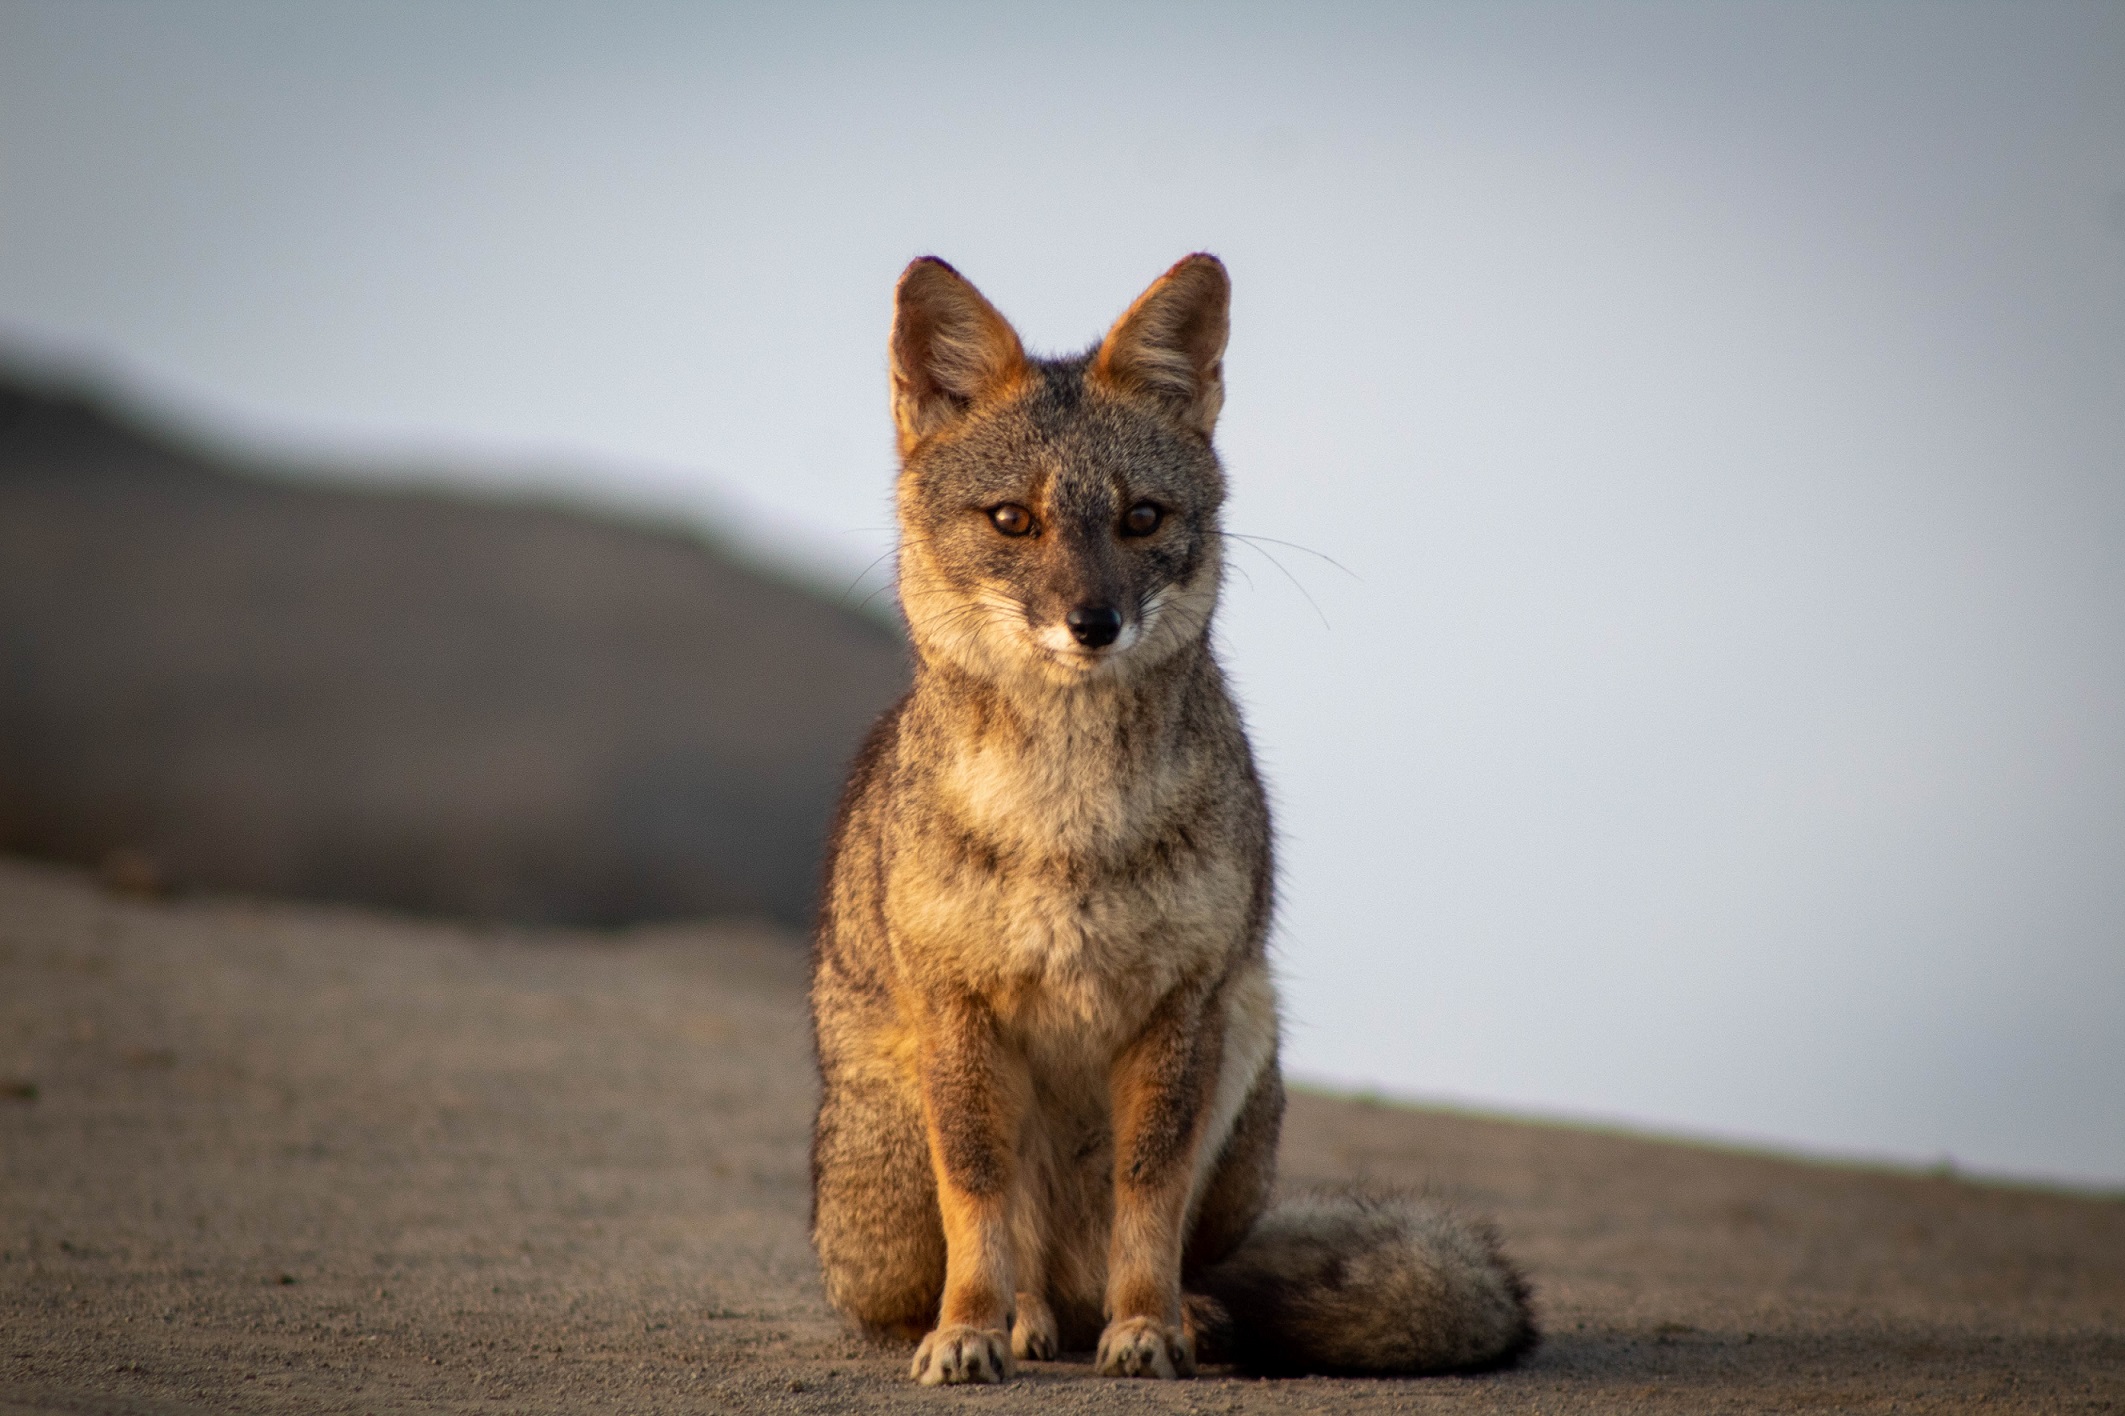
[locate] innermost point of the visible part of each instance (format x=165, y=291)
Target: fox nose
x=1094, y=626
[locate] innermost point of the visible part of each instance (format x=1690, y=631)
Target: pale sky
x=1719, y=411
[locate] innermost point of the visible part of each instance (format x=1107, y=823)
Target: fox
x=1043, y=1010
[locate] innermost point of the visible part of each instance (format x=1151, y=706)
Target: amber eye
x=1142, y=519
x=1012, y=519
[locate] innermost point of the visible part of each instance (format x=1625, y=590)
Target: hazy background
x=1720, y=412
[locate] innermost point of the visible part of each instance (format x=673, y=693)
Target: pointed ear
x=1171, y=343
x=950, y=349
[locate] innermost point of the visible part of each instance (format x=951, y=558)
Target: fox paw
x=952, y=1355
x=1034, y=1337
x=1145, y=1347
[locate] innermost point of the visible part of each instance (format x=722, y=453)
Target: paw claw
x=952, y=1355
x=1034, y=1337
x=1145, y=1347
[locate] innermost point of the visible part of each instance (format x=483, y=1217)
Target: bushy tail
x=1351, y=1282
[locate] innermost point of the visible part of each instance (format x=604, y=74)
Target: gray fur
x=1351, y=1282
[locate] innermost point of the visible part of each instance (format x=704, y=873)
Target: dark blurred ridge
x=214, y=677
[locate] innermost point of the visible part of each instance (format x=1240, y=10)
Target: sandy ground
x=266, y=1157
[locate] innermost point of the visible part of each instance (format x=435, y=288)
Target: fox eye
x=1142, y=519
x=1011, y=519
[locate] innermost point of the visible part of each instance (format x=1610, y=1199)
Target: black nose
x=1094, y=626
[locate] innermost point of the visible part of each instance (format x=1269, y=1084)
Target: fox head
x=1058, y=517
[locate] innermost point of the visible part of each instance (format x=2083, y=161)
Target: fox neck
x=1071, y=768
x=1045, y=714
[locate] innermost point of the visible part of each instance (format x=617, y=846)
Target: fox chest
x=1072, y=904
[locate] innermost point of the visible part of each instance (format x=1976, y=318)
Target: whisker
x=843, y=601
x=1248, y=541
x=1294, y=545
x=866, y=600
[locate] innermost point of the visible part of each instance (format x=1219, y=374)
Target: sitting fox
x=1045, y=1024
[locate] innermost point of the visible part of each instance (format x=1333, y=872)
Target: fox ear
x=1171, y=343
x=950, y=349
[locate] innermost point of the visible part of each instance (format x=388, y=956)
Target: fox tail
x=1355, y=1282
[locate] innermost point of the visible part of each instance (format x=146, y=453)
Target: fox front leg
x=1035, y=1334
x=974, y=1096
x=1161, y=1090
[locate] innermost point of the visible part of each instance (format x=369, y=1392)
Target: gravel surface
x=267, y=1157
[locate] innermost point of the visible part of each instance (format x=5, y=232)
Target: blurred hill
x=224, y=676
